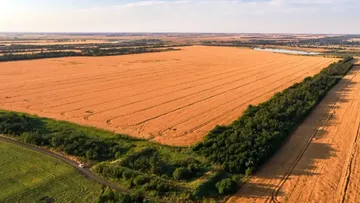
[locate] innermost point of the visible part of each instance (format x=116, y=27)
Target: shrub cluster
x=226, y=186
x=137, y=180
x=186, y=169
x=249, y=141
x=148, y=161
x=110, y=196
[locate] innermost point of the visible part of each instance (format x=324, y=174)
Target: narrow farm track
x=174, y=98
x=320, y=161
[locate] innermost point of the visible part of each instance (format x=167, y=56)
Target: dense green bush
x=181, y=173
x=249, y=141
x=148, y=161
x=208, y=187
x=15, y=124
x=226, y=186
x=110, y=196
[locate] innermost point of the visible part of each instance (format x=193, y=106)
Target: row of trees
x=56, y=54
x=151, y=43
x=249, y=141
x=84, y=52
x=121, y=51
x=61, y=137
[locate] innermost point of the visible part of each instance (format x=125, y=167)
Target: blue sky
x=237, y=16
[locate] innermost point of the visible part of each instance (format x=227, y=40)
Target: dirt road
x=321, y=160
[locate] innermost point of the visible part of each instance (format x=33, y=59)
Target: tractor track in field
x=206, y=90
x=242, y=104
x=274, y=194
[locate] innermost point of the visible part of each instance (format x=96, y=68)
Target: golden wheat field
x=173, y=98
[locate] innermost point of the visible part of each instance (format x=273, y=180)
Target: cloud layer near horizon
x=274, y=16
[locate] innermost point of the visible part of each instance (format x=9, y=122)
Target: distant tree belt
x=250, y=141
x=19, y=47
x=17, y=57
x=16, y=47
x=84, y=52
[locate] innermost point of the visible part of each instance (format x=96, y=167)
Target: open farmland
x=174, y=98
x=29, y=176
x=320, y=161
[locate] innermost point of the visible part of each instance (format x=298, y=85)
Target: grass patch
x=29, y=176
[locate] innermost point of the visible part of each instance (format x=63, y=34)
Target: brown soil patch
x=321, y=160
x=174, y=98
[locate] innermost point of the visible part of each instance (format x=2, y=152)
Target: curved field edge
x=29, y=176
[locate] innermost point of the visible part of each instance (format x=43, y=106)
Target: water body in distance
x=287, y=51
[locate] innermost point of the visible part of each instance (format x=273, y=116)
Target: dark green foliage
x=208, y=187
x=181, y=173
x=55, y=54
x=149, y=183
x=110, y=196
x=121, y=51
x=148, y=161
x=15, y=124
x=226, y=186
x=249, y=141
x=60, y=136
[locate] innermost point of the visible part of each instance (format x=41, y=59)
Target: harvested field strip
x=320, y=161
x=173, y=97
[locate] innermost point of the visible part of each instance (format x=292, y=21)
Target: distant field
x=28, y=176
x=174, y=98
